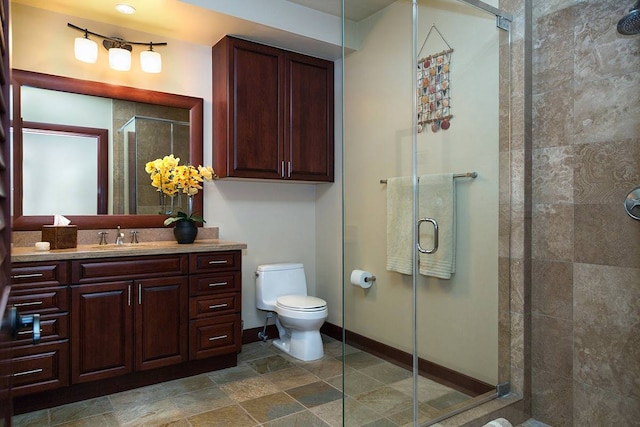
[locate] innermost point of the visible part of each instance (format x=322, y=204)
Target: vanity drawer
x=214, y=337
x=40, y=301
x=53, y=327
x=214, y=305
x=86, y=271
x=39, y=368
x=32, y=274
x=214, y=261
x=204, y=284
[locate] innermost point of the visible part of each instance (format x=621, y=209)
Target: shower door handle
x=435, y=236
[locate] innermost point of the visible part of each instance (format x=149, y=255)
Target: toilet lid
x=301, y=303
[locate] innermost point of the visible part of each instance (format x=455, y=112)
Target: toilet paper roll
x=358, y=278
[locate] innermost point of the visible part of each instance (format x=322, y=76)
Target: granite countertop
x=30, y=254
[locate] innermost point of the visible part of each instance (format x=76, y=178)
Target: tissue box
x=60, y=237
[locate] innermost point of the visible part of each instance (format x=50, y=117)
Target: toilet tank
x=276, y=280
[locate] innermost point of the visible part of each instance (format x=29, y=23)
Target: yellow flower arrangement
x=171, y=178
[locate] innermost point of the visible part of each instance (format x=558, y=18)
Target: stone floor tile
x=229, y=416
x=271, y=407
x=269, y=364
x=155, y=413
x=249, y=389
x=78, y=410
x=299, y=419
x=202, y=401
x=291, y=377
x=315, y=394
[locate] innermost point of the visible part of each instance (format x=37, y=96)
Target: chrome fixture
x=632, y=203
x=119, y=237
x=629, y=25
x=86, y=50
x=103, y=237
x=134, y=237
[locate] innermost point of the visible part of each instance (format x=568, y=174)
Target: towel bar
x=457, y=175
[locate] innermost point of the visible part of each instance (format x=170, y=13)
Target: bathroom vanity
x=114, y=317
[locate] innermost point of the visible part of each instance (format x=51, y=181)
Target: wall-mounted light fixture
x=86, y=50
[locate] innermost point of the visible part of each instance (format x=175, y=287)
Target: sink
x=125, y=246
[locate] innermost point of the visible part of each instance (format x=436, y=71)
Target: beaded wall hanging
x=434, y=88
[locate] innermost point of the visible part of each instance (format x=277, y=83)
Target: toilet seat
x=301, y=303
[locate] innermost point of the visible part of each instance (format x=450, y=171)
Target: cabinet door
x=256, y=122
x=161, y=322
x=101, y=331
x=309, y=134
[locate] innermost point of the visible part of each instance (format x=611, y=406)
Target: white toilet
x=282, y=288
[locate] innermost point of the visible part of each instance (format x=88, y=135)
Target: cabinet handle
x=33, y=371
x=26, y=304
x=27, y=276
x=211, y=285
x=27, y=332
x=282, y=169
x=213, y=307
x=129, y=295
x=223, y=261
x=221, y=337
x=139, y=293
x=289, y=169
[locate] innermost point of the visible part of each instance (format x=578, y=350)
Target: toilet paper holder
x=362, y=278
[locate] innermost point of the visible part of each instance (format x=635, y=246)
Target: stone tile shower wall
x=585, y=282
x=153, y=142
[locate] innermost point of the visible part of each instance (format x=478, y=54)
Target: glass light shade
x=119, y=59
x=125, y=8
x=150, y=61
x=86, y=50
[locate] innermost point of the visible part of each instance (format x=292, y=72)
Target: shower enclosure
x=140, y=140
x=426, y=209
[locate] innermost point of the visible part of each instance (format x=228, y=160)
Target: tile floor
x=267, y=388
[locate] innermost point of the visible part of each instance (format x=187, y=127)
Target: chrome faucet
x=119, y=237
x=103, y=237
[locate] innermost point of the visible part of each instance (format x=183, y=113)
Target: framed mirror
x=128, y=201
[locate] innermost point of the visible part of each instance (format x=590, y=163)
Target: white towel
x=437, y=200
x=400, y=225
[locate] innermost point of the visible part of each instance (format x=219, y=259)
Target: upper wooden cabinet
x=272, y=113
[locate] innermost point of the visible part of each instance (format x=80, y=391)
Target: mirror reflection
x=137, y=133
x=140, y=140
x=106, y=182
x=50, y=186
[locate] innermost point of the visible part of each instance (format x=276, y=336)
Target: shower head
x=630, y=23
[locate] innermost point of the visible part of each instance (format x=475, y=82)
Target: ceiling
x=167, y=18
x=354, y=10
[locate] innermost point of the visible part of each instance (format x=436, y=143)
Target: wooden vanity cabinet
x=129, y=314
x=215, y=283
x=273, y=113
x=114, y=323
x=40, y=287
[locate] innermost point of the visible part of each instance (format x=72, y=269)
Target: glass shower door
x=423, y=134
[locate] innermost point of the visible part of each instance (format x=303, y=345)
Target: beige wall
x=585, y=252
x=458, y=318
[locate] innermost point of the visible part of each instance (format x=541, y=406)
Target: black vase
x=185, y=231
